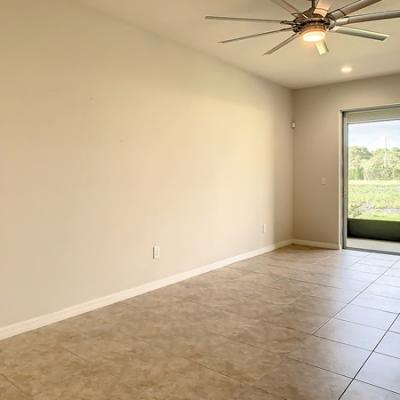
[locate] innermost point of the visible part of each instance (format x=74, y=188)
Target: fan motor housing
x=312, y=27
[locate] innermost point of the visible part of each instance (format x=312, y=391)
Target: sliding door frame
x=344, y=186
x=344, y=177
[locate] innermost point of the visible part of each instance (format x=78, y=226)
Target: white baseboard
x=322, y=245
x=39, y=322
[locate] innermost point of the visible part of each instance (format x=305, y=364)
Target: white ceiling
x=295, y=66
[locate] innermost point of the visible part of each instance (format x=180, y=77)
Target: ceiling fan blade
x=368, y=17
x=322, y=7
x=284, y=43
x=255, y=35
x=287, y=6
x=212, y=17
x=353, y=7
x=360, y=33
x=322, y=47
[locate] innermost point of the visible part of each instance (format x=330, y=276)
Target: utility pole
x=385, y=156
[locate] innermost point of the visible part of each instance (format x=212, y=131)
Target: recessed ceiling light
x=347, y=69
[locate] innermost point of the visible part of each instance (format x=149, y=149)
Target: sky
x=372, y=134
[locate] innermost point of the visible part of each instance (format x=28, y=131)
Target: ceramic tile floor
x=295, y=324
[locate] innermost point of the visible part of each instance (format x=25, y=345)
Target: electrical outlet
x=323, y=181
x=156, y=252
x=264, y=228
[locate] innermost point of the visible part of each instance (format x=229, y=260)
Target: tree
x=383, y=165
x=357, y=159
x=380, y=164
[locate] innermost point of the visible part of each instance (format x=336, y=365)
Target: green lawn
x=376, y=200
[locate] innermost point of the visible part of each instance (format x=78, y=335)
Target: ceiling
x=296, y=66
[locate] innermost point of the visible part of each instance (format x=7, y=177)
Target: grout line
x=372, y=352
x=365, y=362
x=194, y=361
x=388, y=355
x=316, y=366
x=28, y=396
x=344, y=344
x=351, y=301
x=311, y=283
x=386, y=297
x=360, y=324
x=377, y=387
x=390, y=253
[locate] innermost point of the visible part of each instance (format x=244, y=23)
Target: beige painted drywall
x=317, y=151
x=113, y=140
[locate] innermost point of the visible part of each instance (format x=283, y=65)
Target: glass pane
x=374, y=170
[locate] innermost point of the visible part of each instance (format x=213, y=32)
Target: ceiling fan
x=313, y=23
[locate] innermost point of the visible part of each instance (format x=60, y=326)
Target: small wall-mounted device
x=156, y=252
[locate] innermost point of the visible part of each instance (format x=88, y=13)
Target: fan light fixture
x=313, y=24
x=314, y=34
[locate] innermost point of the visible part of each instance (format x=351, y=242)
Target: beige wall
x=113, y=140
x=318, y=150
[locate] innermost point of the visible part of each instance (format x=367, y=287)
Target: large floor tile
x=377, y=262
x=396, y=326
x=259, y=333
x=333, y=263
x=295, y=318
x=95, y=347
x=257, y=306
x=331, y=356
x=393, y=272
x=315, y=305
x=389, y=280
x=363, y=391
x=260, y=280
x=328, y=280
x=384, y=290
x=352, y=334
x=382, y=256
x=341, y=295
x=272, y=272
x=94, y=382
x=91, y=323
x=293, y=380
x=372, y=269
x=161, y=377
x=339, y=261
x=38, y=368
x=382, y=371
x=9, y=392
x=293, y=286
x=368, y=277
x=378, y=302
x=390, y=345
x=237, y=360
x=367, y=316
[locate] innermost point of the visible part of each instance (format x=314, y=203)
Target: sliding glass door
x=372, y=175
